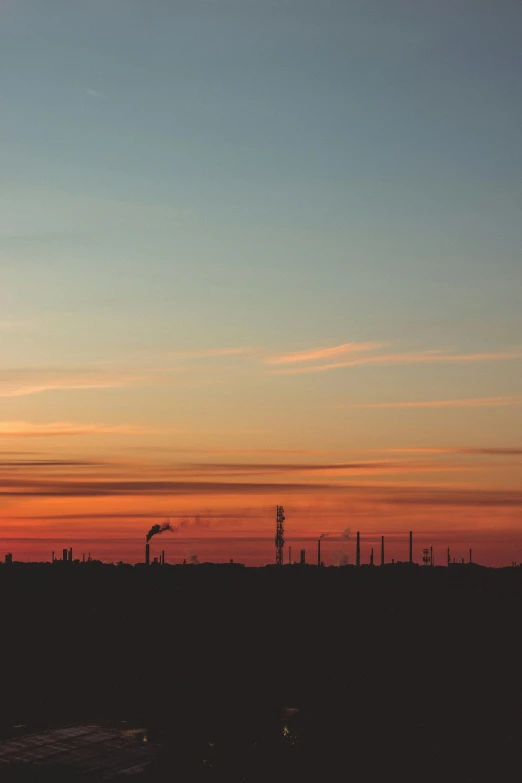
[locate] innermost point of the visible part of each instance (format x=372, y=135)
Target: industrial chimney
x=64, y=555
x=382, y=550
x=411, y=546
x=147, y=554
x=358, y=550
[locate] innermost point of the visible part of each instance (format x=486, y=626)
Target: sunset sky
x=260, y=252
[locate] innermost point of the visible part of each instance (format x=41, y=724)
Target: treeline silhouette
x=405, y=672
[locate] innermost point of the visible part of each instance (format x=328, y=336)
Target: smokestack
x=162, y=557
x=52, y=560
x=358, y=550
x=289, y=555
x=371, y=557
x=382, y=550
x=449, y=556
x=318, y=551
x=303, y=556
x=70, y=555
x=83, y=558
x=411, y=546
x=470, y=558
x=147, y=554
x=64, y=554
x=431, y=556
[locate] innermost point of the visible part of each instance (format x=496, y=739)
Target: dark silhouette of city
x=285, y=672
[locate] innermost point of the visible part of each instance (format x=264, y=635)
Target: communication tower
x=426, y=557
x=280, y=534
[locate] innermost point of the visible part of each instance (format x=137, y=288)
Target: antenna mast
x=280, y=534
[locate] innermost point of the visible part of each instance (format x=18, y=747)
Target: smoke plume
x=155, y=529
x=340, y=557
x=346, y=534
x=196, y=522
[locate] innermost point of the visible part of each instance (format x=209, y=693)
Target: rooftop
x=83, y=749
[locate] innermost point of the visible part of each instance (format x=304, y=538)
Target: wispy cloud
x=58, y=428
x=323, y=353
x=26, y=429
x=287, y=467
x=102, y=488
x=486, y=451
x=374, y=494
x=26, y=382
x=47, y=463
x=476, y=402
x=188, y=450
x=419, y=357
x=334, y=471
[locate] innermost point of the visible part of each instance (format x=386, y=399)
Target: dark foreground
x=403, y=673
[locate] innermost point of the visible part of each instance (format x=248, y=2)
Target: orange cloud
x=26, y=383
x=421, y=357
x=486, y=451
x=477, y=402
x=58, y=428
x=323, y=353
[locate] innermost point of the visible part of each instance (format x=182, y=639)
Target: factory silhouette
x=428, y=555
x=393, y=670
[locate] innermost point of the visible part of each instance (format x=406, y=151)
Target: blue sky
x=358, y=163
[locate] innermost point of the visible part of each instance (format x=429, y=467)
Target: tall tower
x=280, y=534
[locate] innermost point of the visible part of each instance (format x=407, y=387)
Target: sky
x=257, y=253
